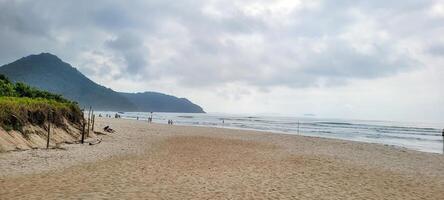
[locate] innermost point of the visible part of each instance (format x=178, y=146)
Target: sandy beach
x=157, y=161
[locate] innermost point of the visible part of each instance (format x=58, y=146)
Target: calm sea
x=424, y=137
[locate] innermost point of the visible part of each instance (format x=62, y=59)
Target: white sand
x=153, y=161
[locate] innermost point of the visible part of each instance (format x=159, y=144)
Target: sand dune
x=153, y=161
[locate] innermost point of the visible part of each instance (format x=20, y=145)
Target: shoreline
x=395, y=147
x=417, y=136
x=310, y=136
x=202, y=155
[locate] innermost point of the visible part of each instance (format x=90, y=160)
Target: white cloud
x=290, y=56
x=437, y=10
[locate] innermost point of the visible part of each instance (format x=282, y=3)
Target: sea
x=420, y=136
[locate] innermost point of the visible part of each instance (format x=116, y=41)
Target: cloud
x=258, y=43
x=132, y=49
x=437, y=49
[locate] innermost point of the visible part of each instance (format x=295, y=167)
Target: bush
x=9, y=89
x=18, y=111
x=21, y=104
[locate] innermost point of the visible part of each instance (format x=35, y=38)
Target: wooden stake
x=89, y=121
x=93, y=120
x=49, y=129
x=92, y=123
x=83, y=130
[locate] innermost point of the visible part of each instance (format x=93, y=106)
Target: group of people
x=106, y=115
x=109, y=116
x=150, y=119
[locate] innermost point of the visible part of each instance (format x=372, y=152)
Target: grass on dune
x=21, y=104
x=15, y=112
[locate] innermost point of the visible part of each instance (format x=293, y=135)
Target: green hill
x=158, y=102
x=46, y=71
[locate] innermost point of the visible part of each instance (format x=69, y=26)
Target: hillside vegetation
x=158, y=102
x=21, y=105
x=48, y=72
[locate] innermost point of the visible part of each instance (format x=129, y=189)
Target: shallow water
x=424, y=137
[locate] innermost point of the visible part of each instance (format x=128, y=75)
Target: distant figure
x=108, y=129
x=100, y=115
x=443, y=132
x=223, y=121
x=137, y=118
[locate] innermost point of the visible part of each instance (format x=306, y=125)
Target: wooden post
x=89, y=121
x=93, y=120
x=49, y=129
x=83, y=126
x=83, y=130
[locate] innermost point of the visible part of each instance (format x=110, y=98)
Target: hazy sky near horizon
x=346, y=59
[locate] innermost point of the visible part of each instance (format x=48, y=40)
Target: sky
x=379, y=59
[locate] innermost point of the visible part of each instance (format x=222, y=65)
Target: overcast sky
x=374, y=59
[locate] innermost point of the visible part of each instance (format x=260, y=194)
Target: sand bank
x=154, y=161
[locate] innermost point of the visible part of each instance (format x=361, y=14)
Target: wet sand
x=154, y=161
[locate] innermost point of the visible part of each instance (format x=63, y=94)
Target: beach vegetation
x=21, y=104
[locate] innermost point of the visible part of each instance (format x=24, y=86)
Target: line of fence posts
x=87, y=123
x=91, y=116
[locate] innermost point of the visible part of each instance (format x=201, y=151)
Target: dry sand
x=153, y=161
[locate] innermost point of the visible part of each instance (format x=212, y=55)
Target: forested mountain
x=48, y=72
x=153, y=101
